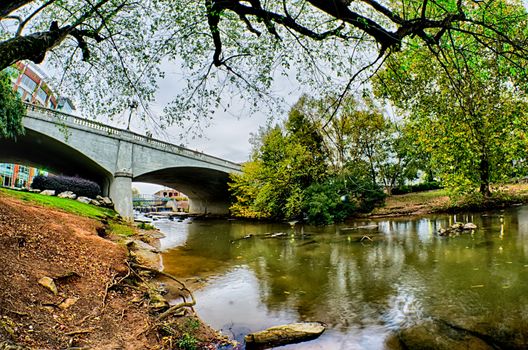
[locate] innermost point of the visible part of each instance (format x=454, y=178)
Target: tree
x=289, y=175
x=359, y=136
x=283, y=165
x=11, y=109
x=330, y=43
x=467, y=110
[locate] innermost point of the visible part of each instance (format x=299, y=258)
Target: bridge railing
x=53, y=115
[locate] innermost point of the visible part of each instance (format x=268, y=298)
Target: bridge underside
x=41, y=151
x=207, y=189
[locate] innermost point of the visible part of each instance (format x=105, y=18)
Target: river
x=365, y=289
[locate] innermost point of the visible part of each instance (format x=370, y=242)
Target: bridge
x=113, y=157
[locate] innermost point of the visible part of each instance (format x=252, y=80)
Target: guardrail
x=53, y=115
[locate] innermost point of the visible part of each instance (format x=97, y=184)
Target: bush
x=339, y=198
x=77, y=185
x=424, y=186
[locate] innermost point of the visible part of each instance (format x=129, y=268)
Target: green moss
x=67, y=205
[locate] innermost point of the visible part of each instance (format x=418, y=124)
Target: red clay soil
x=36, y=242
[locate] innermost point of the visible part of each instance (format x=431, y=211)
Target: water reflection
x=362, y=288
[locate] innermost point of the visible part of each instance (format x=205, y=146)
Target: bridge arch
x=43, y=151
x=206, y=188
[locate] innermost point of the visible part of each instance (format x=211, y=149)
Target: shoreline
x=69, y=281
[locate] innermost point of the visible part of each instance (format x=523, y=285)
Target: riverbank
x=67, y=282
x=438, y=201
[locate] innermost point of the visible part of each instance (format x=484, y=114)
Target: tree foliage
x=468, y=108
x=290, y=175
x=234, y=46
x=11, y=109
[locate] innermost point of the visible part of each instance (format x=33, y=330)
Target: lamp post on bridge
x=133, y=105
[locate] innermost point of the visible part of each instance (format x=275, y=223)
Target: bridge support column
x=204, y=206
x=121, y=194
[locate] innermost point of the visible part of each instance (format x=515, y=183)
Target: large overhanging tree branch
x=8, y=6
x=34, y=46
x=326, y=45
x=388, y=27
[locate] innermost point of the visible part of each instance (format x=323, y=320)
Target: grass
x=123, y=230
x=440, y=201
x=73, y=207
x=67, y=205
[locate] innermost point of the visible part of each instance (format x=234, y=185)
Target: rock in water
x=282, y=335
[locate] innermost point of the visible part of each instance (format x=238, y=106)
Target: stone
x=48, y=192
x=158, y=302
x=67, y=303
x=456, y=229
x=439, y=336
x=470, y=226
x=67, y=194
x=47, y=282
x=105, y=201
x=144, y=253
x=34, y=190
x=95, y=202
x=285, y=334
x=85, y=200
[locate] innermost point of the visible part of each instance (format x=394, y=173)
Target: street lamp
x=132, y=105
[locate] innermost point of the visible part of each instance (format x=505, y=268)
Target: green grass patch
x=146, y=226
x=67, y=205
x=123, y=230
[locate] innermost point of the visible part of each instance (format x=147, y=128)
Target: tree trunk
x=484, y=172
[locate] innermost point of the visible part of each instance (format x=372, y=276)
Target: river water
x=364, y=289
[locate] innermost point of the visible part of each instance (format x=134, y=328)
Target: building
x=18, y=176
x=29, y=81
x=179, y=202
x=170, y=193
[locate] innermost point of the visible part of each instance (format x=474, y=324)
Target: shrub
x=77, y=185
x=339, y=198
x=188, y=342
x=145, y=226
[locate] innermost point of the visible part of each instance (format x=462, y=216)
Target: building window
x=28, y=83
x=42, y=96
x=7, y=181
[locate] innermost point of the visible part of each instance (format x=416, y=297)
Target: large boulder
x=144, y=254
x=285, y=334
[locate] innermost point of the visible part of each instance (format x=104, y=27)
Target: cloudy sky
x=228, y=135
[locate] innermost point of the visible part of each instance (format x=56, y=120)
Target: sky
x=228, y=135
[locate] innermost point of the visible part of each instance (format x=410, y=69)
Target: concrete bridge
x=112, y=157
